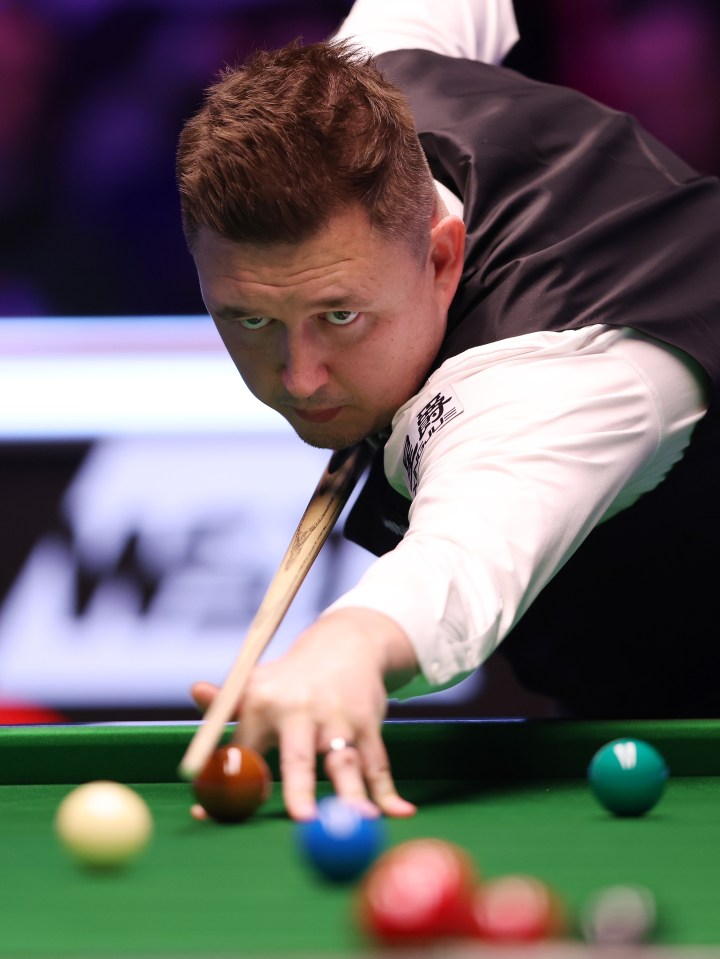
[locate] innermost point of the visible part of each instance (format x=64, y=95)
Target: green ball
x=627, y=776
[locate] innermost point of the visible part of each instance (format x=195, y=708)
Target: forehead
x=349, y=231
x=344, y=258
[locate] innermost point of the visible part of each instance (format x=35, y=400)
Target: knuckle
x=379, y=775
x=266, y=695
x=343, y=759
x=296, y=760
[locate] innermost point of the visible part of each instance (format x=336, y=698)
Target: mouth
x=318, y=416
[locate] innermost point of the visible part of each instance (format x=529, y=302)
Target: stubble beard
x=335, y=437
x=338, y=440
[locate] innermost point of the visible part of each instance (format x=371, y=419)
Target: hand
x=331, y=684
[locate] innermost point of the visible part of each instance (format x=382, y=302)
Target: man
x=520, y=309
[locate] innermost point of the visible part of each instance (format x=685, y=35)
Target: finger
x=296, y=741
x=256, y=728
x=256, y=736
x=344, y=770
x=203, y=694
x=380, y=782
x=198, y=812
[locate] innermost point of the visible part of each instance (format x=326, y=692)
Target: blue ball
x=340, y=843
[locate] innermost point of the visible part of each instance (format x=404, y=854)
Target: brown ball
x=235, y=781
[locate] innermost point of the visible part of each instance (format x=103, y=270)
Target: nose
x=303, y=367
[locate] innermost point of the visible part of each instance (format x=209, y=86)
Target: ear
x=447, y=256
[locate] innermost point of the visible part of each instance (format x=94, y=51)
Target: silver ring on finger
x=337, y=744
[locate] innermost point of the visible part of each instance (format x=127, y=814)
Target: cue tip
x=186, y=772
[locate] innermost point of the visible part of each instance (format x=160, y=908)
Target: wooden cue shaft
x=326, y=503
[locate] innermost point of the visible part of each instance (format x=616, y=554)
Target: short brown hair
x=295, y=135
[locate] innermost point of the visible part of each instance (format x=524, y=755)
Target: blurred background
x=144, y=498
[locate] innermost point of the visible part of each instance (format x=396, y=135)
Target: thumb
x=203, y=694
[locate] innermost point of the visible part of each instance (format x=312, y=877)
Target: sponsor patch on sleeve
x=434, y=415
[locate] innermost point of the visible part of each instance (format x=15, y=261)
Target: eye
x=341, y=317
x=255, y=322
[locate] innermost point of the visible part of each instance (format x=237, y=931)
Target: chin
x=325, y=438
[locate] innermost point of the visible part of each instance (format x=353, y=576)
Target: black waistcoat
x=577, y=216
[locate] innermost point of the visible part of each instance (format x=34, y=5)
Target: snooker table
x=513, y=793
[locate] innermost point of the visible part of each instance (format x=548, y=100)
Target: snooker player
x=512, y=293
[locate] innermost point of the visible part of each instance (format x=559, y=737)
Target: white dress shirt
x=514, y=451
x=475, y=29
x=535, y=440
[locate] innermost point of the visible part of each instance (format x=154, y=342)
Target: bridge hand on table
x=327, y=695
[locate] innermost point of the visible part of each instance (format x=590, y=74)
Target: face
x=336, y=332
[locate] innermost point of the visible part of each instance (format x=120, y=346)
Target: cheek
x=250, y=366
x=415, y=345
x=395, y=365
x=389, y=380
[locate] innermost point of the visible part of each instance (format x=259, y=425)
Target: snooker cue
x=325, y=505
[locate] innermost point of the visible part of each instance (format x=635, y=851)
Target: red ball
x=235, y=781
x=417, y=892
x=518, y=909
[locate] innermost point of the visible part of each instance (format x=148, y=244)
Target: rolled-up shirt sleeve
x=511, y=454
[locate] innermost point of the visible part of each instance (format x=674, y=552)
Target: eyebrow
x=336, y=303
x=232, y=312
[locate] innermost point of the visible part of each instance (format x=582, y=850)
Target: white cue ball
x=103, y=823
